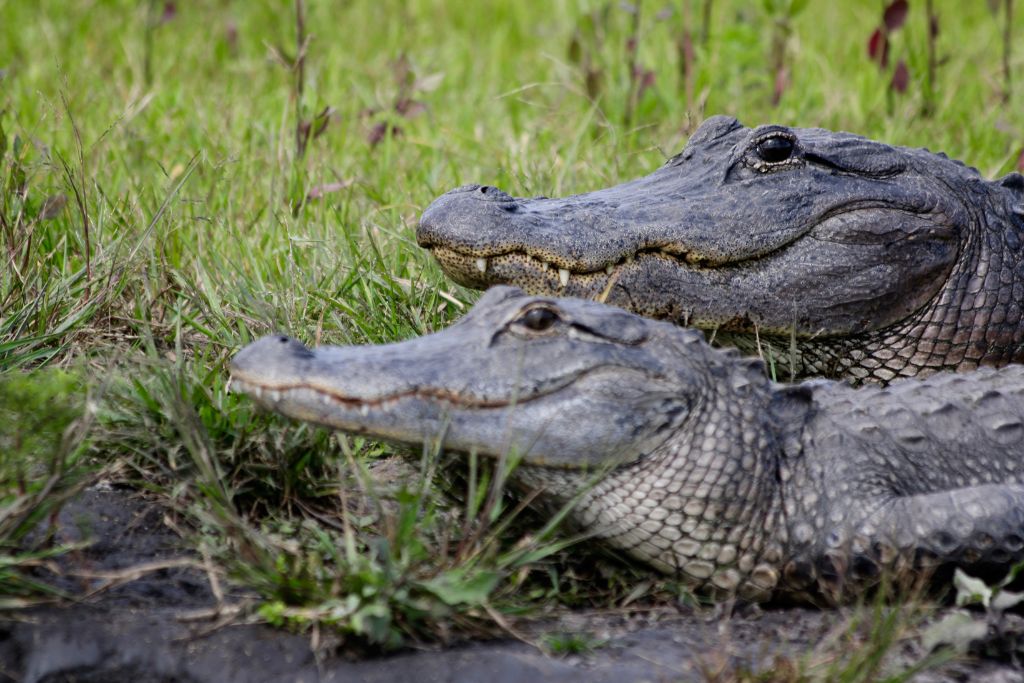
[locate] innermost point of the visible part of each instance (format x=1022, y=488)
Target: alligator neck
x=974, y=320
x=705, y=505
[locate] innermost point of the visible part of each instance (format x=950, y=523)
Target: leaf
x=895, y=14
x=323, y=119
x=169, y=12
x=575, y=51
x=319, y=191
x=454, y=588
x=429, y=83
x=957, y=630
x=900, y=77
x=1004, y=600
x=666, y=13
x=878, y=47
x=409, y=108
x=594, y=82
x=52, y=206
x=380, y=131
x=797, y=6
x=1020, y=160
x=281, y=56
x=970, y=590
x=401, y=69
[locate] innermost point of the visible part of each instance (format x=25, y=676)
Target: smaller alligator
x=685, y=456
x=840, y=256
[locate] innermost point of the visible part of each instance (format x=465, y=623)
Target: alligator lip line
x=275, y=392
x=481, y=264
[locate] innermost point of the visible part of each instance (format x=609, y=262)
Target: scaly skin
x=686, y=456
x=847, y=258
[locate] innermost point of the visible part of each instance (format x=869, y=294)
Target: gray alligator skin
x=839, y=256
x=684, y=456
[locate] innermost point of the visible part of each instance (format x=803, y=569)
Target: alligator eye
x=539, y=319
x=775, y=149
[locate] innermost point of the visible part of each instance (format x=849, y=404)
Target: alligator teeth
x=364, y=409
x=610, y=268
x=481, y=265
x=629, y=259
x=544, y=265
x=273, y=395
x=563, y=276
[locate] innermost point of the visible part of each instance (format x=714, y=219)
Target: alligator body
x=838, y=255
x=685, y=456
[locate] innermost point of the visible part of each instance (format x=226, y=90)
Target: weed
x=168, y=193
x=43, y=426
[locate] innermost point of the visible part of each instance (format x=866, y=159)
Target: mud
x=146, y=629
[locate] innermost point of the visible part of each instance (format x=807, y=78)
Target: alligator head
x=860, y=259
x=534, y=362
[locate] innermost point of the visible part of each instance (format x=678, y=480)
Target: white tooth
x=609, y=269
x=256, y=391
x=629, y=259
x=364, y=410
x=481, y=265
x=563, y=276
x=544, y=265
x=274, y=395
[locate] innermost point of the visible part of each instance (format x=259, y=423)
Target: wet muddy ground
x=156, y=625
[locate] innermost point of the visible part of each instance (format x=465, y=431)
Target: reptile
x=831, y=254
x=686, y=456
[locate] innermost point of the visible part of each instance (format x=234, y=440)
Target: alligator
x=685, y=456
x=830, y=254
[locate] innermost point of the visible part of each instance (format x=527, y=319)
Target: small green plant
x=43, y=425
x=988, y=635
x=571, y=643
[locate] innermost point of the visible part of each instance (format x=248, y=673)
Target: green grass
x=155, y=219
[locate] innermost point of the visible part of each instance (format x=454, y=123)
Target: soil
x=146, y=629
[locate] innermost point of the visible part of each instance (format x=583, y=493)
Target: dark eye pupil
x=539, y=319
x=775, y=149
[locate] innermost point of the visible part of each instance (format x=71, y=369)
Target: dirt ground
x=158, y=627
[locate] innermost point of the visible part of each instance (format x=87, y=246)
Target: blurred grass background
x=179, y=178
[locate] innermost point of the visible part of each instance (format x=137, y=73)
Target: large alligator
x=834, y=254
x=682, y=455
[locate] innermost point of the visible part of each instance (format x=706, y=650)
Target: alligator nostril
x=484, y=189
x=283, y=340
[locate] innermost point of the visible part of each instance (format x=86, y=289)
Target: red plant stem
x=301, y=131
x=929, y=102
x=634, y=81
x=1007, y=47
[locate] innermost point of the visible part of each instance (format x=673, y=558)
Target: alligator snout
x=275, y=358
x=457, y=217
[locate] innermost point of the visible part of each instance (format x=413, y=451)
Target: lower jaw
x=527, y=273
